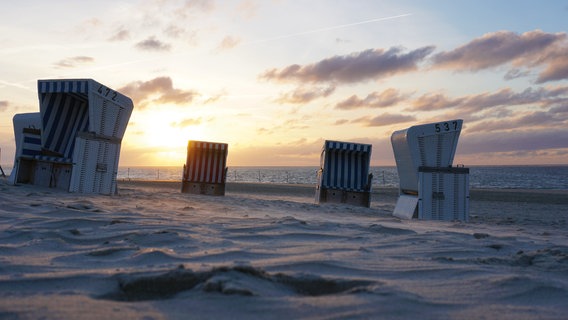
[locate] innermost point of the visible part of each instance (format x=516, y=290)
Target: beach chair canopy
x=427, y=145
x=70, y=106
x=206, y=162
x=345, y=165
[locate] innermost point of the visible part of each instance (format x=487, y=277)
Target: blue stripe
x=63, y=116
x=58, y=86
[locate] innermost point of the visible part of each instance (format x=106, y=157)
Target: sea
x=481, y=177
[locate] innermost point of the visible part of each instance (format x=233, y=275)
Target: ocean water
x=487, y=177
x=483, y=177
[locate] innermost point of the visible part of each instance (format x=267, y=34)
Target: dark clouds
x=526, y=50
x=305, y=95
x=518, y=140
x=357, y=67
x=387, y=98
x=153, y=44
x=385, y=119
x=504, y=97
x=157, y=90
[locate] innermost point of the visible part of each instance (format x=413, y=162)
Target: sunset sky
x=275, y=78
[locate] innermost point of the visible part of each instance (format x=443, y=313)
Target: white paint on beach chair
x=424, y=156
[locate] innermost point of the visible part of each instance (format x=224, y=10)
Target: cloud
x=186, y=123
x=480, y=102
x=229, y=42
x=152, y=44
x=157, y=90
x=305, y=95
x=387, y=98
x=248, y=9
x=74, y=62
x=556, y=66
x=434, y=101
x=120, y=35
x=357, y=67
x=201, y=5
x=516, y=140
x=3, y=105
x=530, y=49
x=385, y=119
x=520, y=120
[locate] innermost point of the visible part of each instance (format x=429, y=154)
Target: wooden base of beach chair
x=212, y=189
x=44, y=173
x=356, y=198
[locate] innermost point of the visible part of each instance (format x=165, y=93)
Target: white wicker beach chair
x=344, y=176
x=430, y=187
x=82, y=123
x=205, y=171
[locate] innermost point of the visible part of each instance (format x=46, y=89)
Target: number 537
x=446, y=126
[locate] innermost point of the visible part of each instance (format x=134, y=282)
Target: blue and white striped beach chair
x=82, y=124
x=205, y=171
x=344, y=173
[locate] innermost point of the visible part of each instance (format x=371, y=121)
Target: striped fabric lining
x=62, y=116
x=31, y=145
x=346, y=165
x=74, y=86
x=206, y=162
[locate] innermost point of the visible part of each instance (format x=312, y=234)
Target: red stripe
x=206, y=161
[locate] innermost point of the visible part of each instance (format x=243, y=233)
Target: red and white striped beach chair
x=344, y=176
x=205, y=171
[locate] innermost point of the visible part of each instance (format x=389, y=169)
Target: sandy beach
x=266, y=251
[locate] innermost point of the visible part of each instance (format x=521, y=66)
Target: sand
x=268, y=252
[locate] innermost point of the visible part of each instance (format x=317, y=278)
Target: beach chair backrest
x=28, y=143
x=109, y=111
x=206, y=162
x=427, y=145
x=345, y=165
x=71, y=106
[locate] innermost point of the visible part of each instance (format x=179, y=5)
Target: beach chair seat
x=430, y=188
x=344, y=175
x=205, y=171
x=82, y=123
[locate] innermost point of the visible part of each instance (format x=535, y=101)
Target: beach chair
x=430, y=187
x=2, y=174
x=344, y=175
x=27, y=135
x=205, y=171
x=81, y=125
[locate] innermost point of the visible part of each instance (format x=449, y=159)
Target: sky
x=275, y=78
